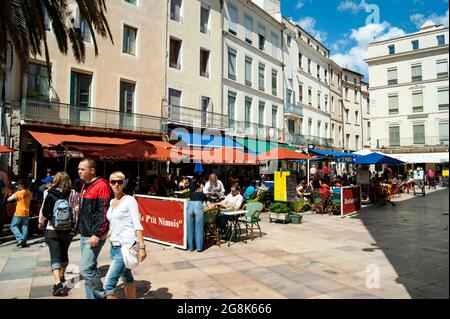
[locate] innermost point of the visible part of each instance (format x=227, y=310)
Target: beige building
x=118, y=94
x=352, y=121
x=194, y=68
x=365, y=110
x=336, y=106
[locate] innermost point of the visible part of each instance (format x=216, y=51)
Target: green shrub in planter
x=280, y=208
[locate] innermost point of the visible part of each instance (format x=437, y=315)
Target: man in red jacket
x=93, y=224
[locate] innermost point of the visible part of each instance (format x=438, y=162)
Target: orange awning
x=282, y=153
x=219, y=155
x=4, y=149
x=52, y=139
x=138, y=150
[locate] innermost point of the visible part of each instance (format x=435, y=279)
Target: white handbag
x=130, y=254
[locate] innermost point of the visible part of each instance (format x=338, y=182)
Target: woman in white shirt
x=214, y=188
x=125, y=227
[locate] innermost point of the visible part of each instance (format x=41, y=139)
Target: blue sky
x=343, y=27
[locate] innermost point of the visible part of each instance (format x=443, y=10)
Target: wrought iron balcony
x=59, y=113
x=294, y=109
x=192, y=117
x=424, y=141
x=254, y=130
x=302, y=140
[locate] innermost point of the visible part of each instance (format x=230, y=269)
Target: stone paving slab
x=325, y=257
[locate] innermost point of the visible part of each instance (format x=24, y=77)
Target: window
x=38, y=82
x=356, y=96
x=129, y=40
x=310, y=96
x=233, y=19
x=289, y=96
x=417, y=101
x=231, y=109
x=261, y=36
x=443, y=133
x=204, y=63
x=126, y=104
x=416, y=72
x=248, y=71
x=174, y=97
x=274, y=82
x=291, y=126
x=274, y=116
x=326, y=130
x=326, y=76
x=309, y=66
x=175, y=56
x=415, y=44
x=85, y=31
x=443, y=99
x=442, y=69
x=340, y=136
x=346, y=94
x=368, y=105
x=231, y=64
x=288, y=40
x=274, y=45
x=133, y=2
x=347, y=116
x=300, y=92
x=394, y=136
x=309, y=127
x=357, y=142
x=441, y=40
x=319, y=102
x=261, y=81
x=300, y=57
x=392, y=76
x=319, y=129
x=332, y=104
x=248, y=23
x=419, y=134
x=347, y=141
x=262, y=110
x=204, y=19
x=80, y=97
x=393, y=104
x=368, y=131
x=318, y=72
x=204, y=106
x=356, y=117
x=248, y=111
x=391, y=49
x=175, y=10
x=332, y=130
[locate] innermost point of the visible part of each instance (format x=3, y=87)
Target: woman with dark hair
x=195, y=216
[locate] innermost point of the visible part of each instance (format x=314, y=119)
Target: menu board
x=362, y=177
x=291, y=188
x=280, y=192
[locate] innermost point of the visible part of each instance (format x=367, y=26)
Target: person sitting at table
x=233, y=201
x=301, y=189
x=214, y=188
x=262, y=187
x=250, y=192
x=324, y=190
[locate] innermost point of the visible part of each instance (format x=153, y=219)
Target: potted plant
x=297, y=208
x=279, y=212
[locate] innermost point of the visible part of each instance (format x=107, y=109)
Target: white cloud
x=299, y=5
x=354, y=57
x=419, y=19
x=309, y=24
x=354, y=7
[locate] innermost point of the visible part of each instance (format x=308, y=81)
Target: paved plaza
x=384, y=252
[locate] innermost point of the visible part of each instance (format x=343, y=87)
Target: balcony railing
x=254, y=130
x=59, y=113
x=302, y=140
x=293, y=109
x=192, y=117
x=427, y=141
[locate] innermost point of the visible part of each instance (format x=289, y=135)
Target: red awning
x=4, y=149
x=52, y=139
x=138, y=150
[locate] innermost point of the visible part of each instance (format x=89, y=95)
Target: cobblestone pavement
x=384, y=252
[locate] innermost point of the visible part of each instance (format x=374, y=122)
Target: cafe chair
x=211, y=225
x=251, y=218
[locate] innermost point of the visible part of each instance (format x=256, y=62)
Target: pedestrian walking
x=58, y=234
x=125, y=229
x=19, y=223
x=92, y=224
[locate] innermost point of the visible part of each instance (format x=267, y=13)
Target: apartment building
x=119, y=94
x=336, y=106
x=194, y=69
x=307, y=94
x=253, y=72
x=365, y=113
x=352, y=113
x=409, y=91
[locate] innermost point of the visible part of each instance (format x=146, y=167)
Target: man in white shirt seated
x=233, y=201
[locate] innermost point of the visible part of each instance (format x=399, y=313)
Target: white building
x=352, y=120
x=253, y=73
x=409, y=91
x=307, y=94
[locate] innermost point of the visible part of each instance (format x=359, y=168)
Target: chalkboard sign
x=291, y=188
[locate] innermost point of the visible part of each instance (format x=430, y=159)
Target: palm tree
x=23, y=24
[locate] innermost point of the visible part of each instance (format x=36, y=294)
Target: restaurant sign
x=163, y=220
x=350, y=200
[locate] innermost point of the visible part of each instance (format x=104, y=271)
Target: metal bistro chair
x=251, y=218
x=317, y=204
x=211, y=228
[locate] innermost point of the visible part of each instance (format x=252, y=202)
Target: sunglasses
x=119, y=182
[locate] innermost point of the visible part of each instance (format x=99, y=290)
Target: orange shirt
x=23, y=203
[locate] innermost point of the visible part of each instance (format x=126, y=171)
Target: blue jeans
x=195, y=225
x=21, y=235
x=116, y=270
x=88, y=268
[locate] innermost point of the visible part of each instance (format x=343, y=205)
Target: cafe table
x=233, y=216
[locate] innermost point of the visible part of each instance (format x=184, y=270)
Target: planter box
x=296, y=219
x=279, y=217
